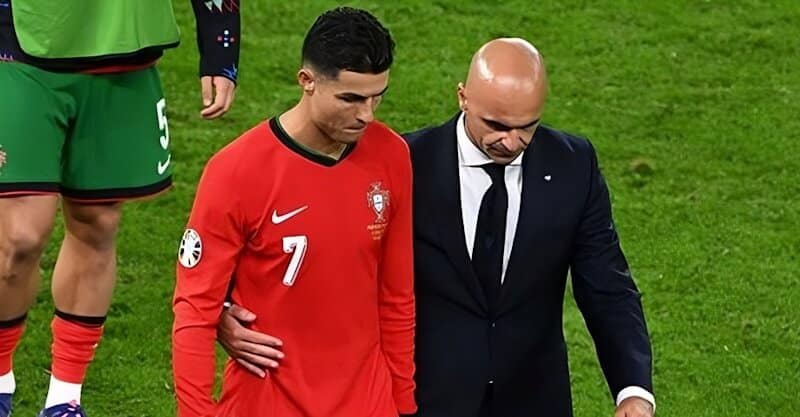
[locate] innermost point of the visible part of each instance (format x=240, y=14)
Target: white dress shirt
x=474, y=182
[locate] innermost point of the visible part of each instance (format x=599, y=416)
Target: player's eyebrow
x=503, y=127
x=358, y=97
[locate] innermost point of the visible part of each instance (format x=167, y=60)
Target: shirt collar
x=471, y=155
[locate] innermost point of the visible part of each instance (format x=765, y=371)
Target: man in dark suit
x=504, y=208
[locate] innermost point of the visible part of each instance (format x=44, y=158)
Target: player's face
x=501, y=125
x=341, y=108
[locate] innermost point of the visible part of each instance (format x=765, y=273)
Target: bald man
x=504, y=208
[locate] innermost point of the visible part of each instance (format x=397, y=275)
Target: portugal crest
x=378, y=200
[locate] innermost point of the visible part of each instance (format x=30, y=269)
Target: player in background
x=306, y=220
x=84, y=119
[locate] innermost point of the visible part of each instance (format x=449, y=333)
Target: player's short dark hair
x=348, y=39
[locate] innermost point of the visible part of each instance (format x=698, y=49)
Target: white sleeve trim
x=634, y=391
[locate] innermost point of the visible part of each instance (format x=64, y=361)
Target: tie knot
x=496, y=172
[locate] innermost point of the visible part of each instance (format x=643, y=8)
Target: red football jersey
x=321, y=251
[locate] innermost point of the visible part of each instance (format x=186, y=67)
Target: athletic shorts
x=89, y=137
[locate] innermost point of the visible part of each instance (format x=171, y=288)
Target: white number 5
x=163, y=125
x=296, y=245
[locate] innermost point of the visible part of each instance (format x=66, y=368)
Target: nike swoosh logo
x=162, y=168
x=278, y=219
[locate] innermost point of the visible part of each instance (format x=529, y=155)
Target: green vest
x=93, y=28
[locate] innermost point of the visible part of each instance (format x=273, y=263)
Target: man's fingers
x=241, y=313
x=215, y=109
x=251, y=368
x=252, y=336
x=228, y=87
x=223, y=87
x=260, y=350
x=207, y=90
x=229, y=101
x=258, y=361
x=212, y=99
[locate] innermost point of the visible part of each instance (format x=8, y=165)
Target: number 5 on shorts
x=163, y=125
x=296, y=245
x=163, y=139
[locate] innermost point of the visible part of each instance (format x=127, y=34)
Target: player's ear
x=462, y=98
x=307, y=80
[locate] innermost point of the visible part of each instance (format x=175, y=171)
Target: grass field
x=693, y=107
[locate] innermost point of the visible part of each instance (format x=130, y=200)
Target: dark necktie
x=490, y=234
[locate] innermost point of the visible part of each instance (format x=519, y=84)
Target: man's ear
x=462, y=98
x=307, y=80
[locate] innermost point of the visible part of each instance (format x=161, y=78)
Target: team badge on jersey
x=378, y=200
x=191, y=249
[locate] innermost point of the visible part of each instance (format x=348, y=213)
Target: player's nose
x=366, y=112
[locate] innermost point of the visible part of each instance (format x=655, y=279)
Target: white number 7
x=296, y=245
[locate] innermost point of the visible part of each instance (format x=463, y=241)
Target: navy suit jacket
x=565, y=225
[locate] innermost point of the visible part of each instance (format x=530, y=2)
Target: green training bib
x=93, y=28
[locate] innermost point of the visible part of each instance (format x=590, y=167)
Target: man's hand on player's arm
x=257, y=352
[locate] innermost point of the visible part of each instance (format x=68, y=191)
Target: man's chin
x=500, y=158
x=349, y=137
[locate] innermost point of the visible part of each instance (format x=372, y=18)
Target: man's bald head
x=507, y=63
x=504, y=97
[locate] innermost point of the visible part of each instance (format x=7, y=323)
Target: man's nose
x=513, y=141
x=366, y=112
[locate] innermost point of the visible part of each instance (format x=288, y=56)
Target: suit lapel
x=449, y=216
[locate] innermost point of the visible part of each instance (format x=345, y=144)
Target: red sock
x=9, y=338
x=73, y=349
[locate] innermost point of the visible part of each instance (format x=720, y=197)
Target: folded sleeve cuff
x=634, y=391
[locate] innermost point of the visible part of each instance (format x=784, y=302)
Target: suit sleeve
x=201, y=285
x=396, y=296
x=218, y=37
x=606, y=294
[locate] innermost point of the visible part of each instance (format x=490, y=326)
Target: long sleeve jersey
x=321, y=251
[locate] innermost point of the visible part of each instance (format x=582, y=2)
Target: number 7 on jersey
x=296, y=245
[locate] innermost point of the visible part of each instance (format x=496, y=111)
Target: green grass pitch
x=692, y=106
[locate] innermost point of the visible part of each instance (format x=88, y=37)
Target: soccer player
x=84, y=118
x=306, y=219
